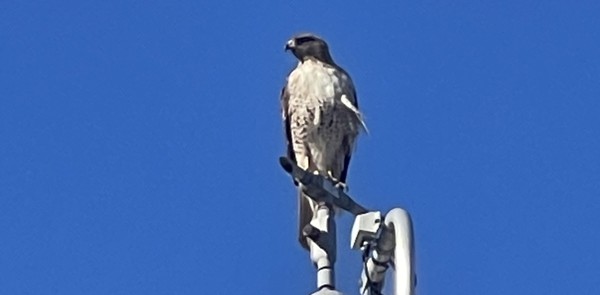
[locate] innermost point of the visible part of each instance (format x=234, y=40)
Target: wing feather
x=351, y=102
x=285, y=97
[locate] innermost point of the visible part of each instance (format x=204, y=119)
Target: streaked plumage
x=320, y=114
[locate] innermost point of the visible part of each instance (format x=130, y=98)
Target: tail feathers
x=306, y=210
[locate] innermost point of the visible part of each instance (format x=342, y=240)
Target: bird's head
x=305, y=46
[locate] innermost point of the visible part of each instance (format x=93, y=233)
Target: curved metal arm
x=392, y=240
x=399, y=221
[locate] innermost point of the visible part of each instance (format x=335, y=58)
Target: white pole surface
x=404, y=274
x=323, y=250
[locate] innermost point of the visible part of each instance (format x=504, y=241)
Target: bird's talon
x=330, y=174
x=342, y=185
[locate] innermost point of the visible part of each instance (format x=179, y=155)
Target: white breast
x=315, y=81
x=320, y=120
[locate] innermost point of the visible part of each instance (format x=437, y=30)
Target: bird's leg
x=342, y=185
x=337, y=182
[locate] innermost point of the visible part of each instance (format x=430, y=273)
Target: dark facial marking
x=304, y=39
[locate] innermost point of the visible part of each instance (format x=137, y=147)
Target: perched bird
x=321, y=117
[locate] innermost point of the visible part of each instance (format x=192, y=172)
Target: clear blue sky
x=139, y=143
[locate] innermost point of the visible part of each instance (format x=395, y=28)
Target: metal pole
x=323, y=247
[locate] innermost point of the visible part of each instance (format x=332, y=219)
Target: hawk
x=321, y=117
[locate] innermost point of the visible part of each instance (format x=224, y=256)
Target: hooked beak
x=290, y=45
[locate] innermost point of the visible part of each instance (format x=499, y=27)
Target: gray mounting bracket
x=321, y=189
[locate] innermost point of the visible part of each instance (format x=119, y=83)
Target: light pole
x=382, y=240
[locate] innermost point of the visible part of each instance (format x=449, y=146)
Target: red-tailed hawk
x=321, y=116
